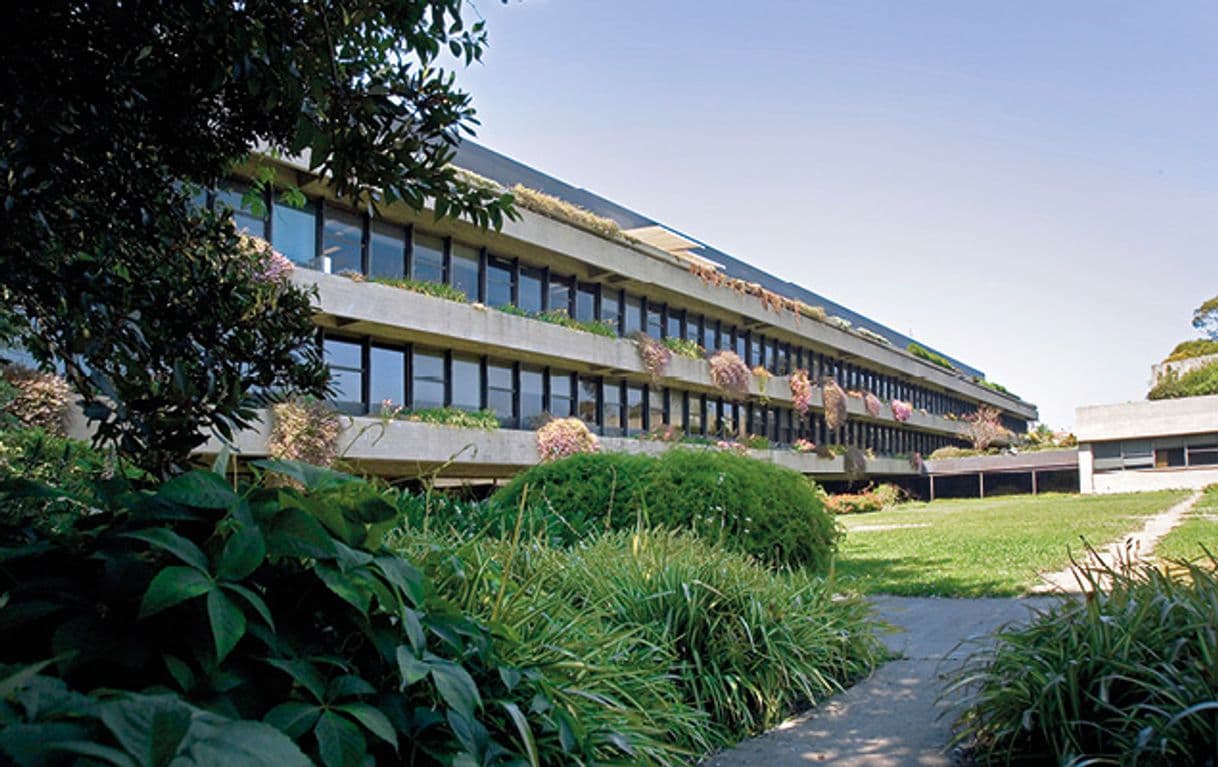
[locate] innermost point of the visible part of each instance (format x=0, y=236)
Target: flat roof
x=493, y=165
x=1148, y=418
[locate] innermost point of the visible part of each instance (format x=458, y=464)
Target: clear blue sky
x=1032, y=187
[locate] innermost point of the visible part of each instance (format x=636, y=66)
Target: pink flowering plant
x=654, y=355
x=802, y=445
x=873, y=404
x=901, y=410
x=305, y=430
x=732, y=446
x=835, y=404
x=271, y=267
x=564, y=437
x=36, y=399
x=729, y=373
x=801, y=391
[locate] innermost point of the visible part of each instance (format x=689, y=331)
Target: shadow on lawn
x=920, y=577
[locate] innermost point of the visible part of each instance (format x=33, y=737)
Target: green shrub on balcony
x=485, y=420
x=920, y=351
x=426, y=287
x=560, y=317
x=685, y=347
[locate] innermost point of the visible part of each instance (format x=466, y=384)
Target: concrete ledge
x=408, y=449
x=391, y=313
x=1141, y=420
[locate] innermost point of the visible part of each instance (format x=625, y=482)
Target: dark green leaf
x=215, y=742
x=293, y=718
x=175, y=544
x=227, y=622
x=297, y=533
x=410, y=666
x=455, y=686
x=242, y=554
x=305, y=674
x=347, y=588
x=339, y=742
x=253, y=600
x=200, y=489
x=313, y=478
x=149, y=727
x=372, y=719
x=172, y=586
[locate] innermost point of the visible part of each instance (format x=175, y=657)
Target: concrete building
x=1152, y=445
x=485, y=347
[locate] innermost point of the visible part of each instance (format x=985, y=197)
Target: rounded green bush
x=756, y=507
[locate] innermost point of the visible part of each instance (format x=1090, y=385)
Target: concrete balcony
x=390, y=313
x=410, y=449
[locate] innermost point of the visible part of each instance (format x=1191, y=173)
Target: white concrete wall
x=1140, y=420
x=1149, y=479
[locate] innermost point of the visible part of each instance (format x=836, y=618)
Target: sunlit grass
x=1199, y=528
x=990, y=547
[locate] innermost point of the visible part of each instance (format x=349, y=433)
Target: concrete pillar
x=981, y=483
x=1033, y=483
x=932, y=487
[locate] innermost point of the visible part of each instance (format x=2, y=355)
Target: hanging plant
x=901, y=410
x=654, y=355
x=729, y=373
x=873, y=404
x=835, y=404
x=801, y=391
x=305, y=430
x=563, y=437
x=763, y=379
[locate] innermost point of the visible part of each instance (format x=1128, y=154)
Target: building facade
x=538, y=320
x=1152, y=445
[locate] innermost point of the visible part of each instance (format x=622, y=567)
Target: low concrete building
x=1153, y=445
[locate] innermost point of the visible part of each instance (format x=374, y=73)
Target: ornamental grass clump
x=801, y=391
x=1124, y=675
x=729, y=373
x=305, y=430
x=654, y=355
x=835, y=404
x=36, y=399
x=685, y=347
x=873, y=405
x=901, y=410
x=748, y=644
x=763, y=378
x=565, y=437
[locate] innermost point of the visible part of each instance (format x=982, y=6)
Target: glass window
x=757, y=420
x=386, y=378
x=633, y=310
x=500, y=392
x=1167, y=457
x=560, y=294
x=589, y=399
x=530, y=290
x=655, y=320
x=771, y=355
x=499, y=282
x=783, y=365
x=614, y=422
x=387, y=250
x=710, y=336
x=634, y=409
x=696, y=406
x=676, y=324
x=427, y=257
x=427, y=379
x=655, y=407
x=693, y=328
x=611, y=309
x=741, y=343
x=231, y=194
x=1138, y=453
x=341, y=244
x=467, y=382
x=294, y=231
x=1203, y=453
x=532, y=397
x=465, y=269
x=585, y=303
x=346, y=360
x=562, y=395
x=676, y=409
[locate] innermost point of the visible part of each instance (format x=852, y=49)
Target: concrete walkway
x=1129, y=549
x=892, y=718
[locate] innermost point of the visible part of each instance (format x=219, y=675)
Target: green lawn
x=991, y=547
x=1199, y=527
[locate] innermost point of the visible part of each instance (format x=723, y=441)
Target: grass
x=991, y=547
x=559, y=317
x=1200, y=527
x=918, y=350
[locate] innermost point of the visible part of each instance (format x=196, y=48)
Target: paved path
x=890, y=719
x=1132, y=549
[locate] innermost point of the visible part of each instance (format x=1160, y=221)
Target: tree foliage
x=1205, y=318
x=109, y=114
